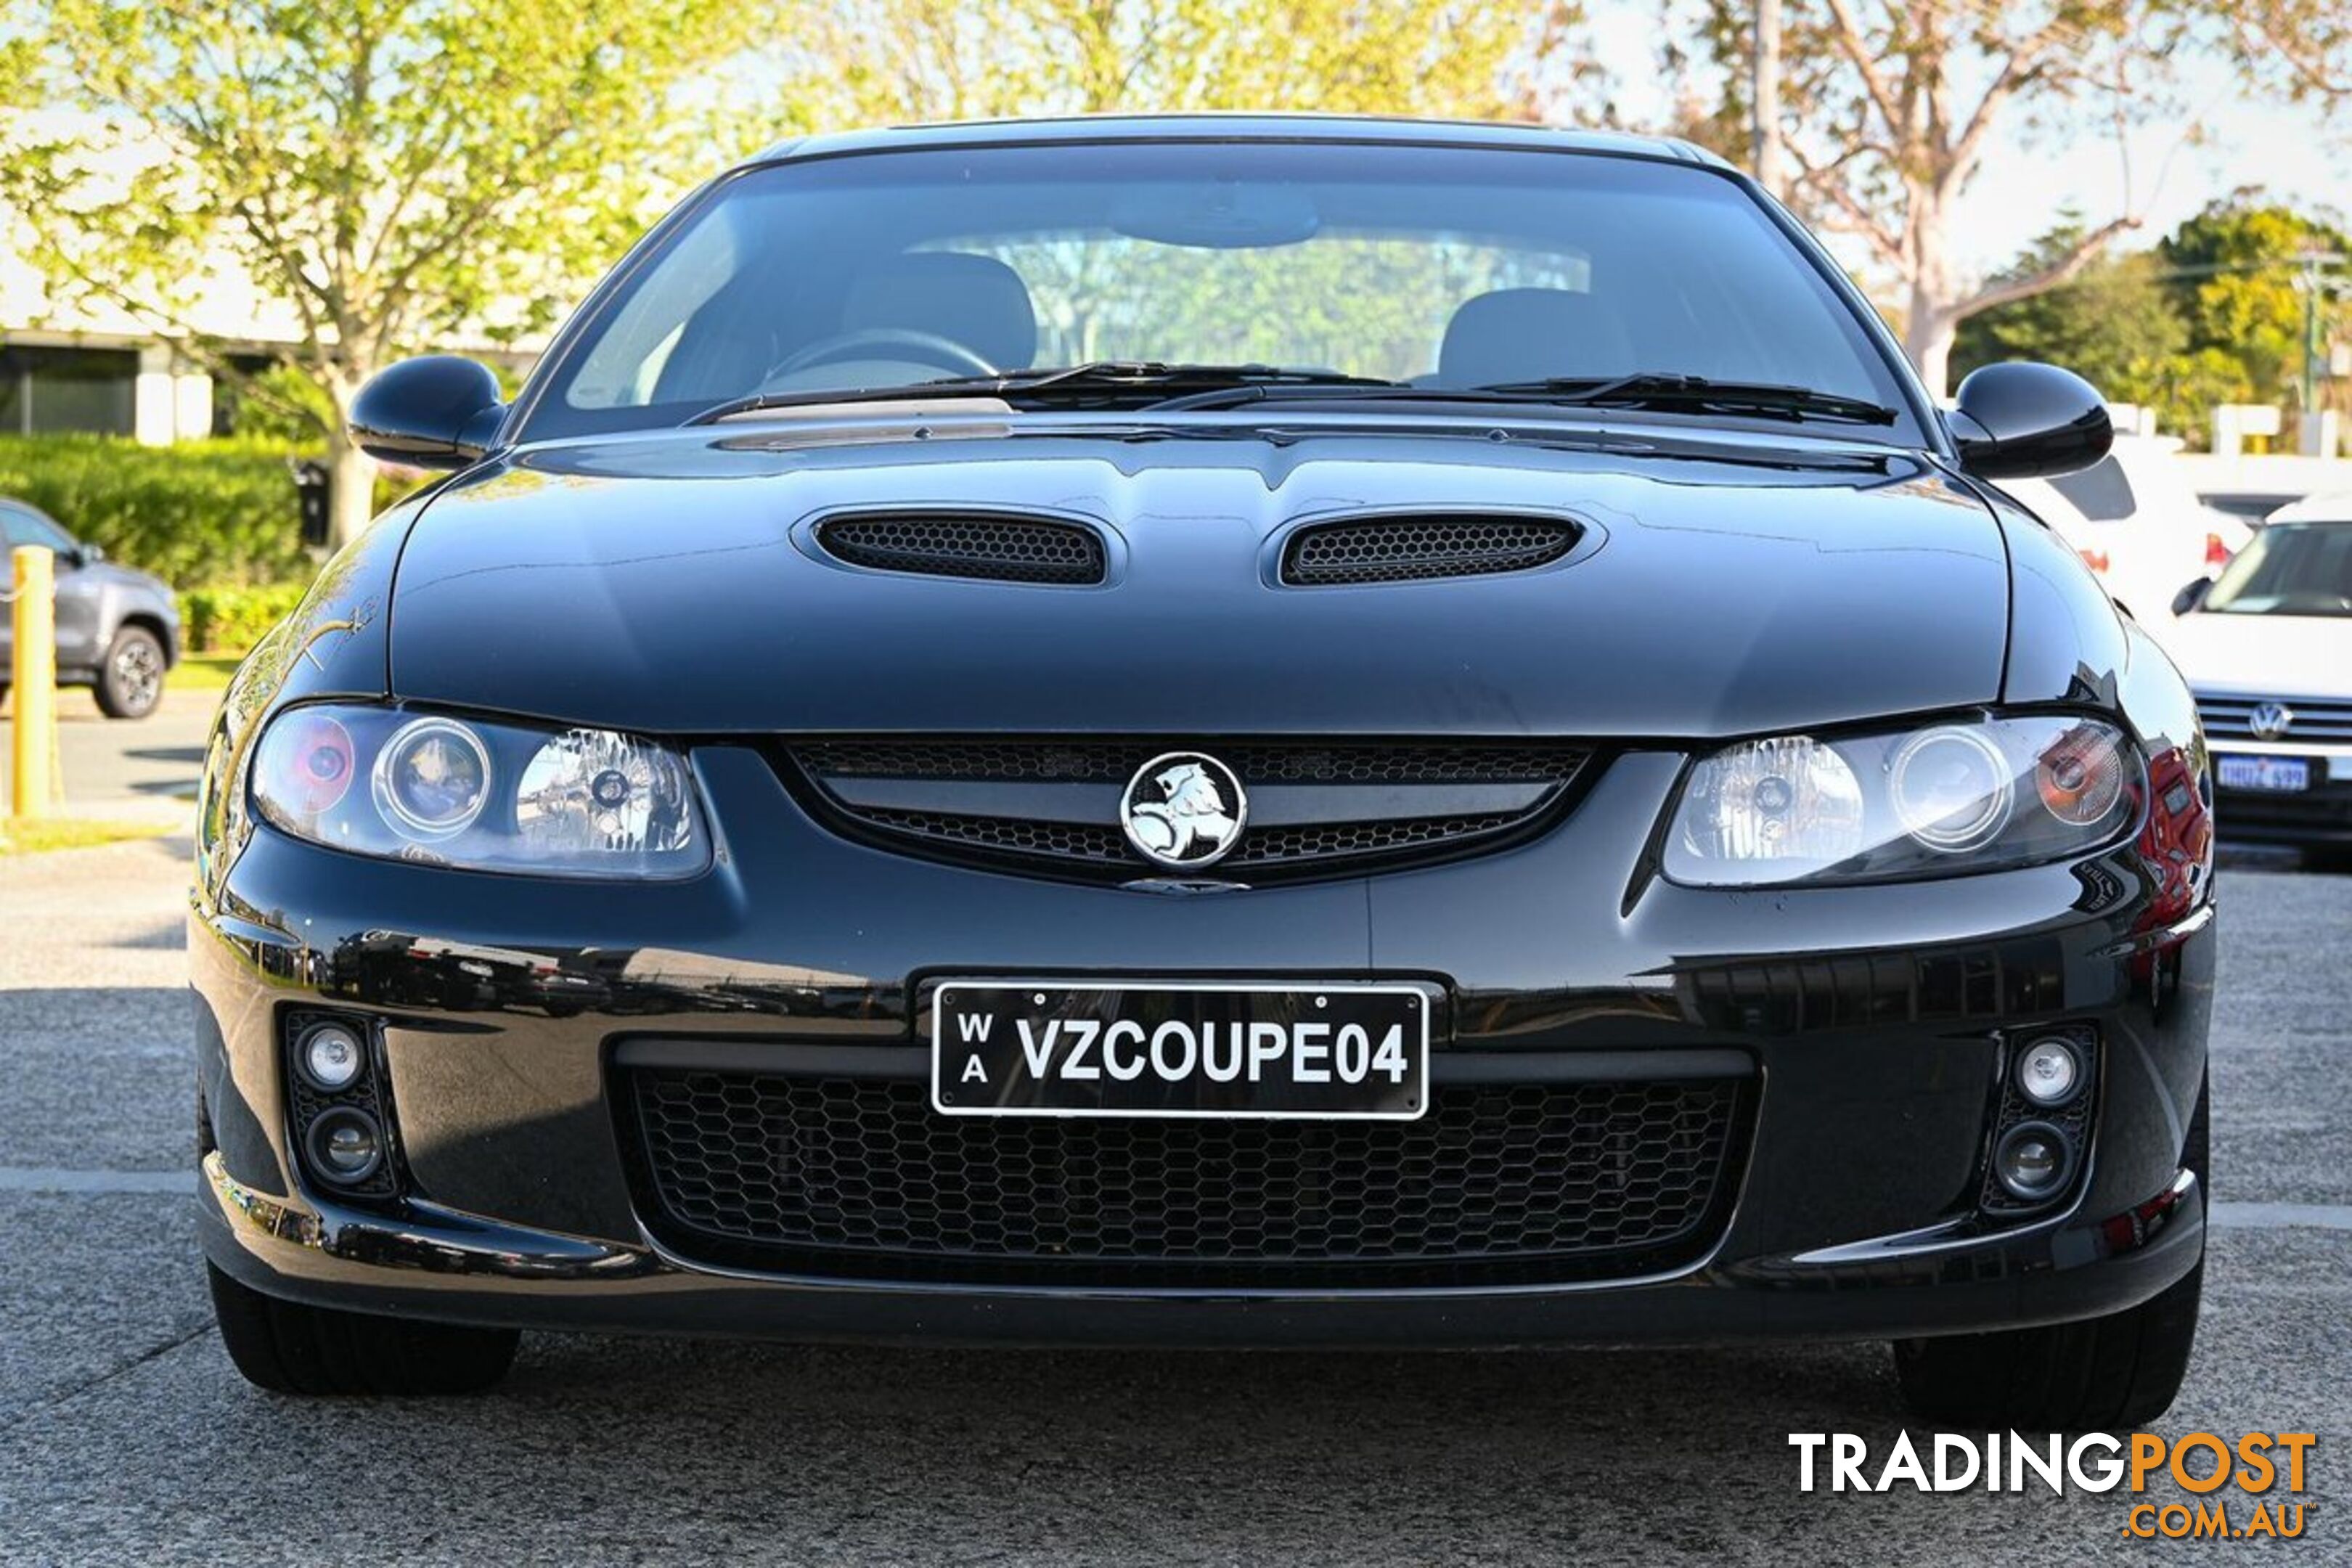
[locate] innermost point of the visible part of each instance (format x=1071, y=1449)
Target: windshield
x=1432, y=266
x=2288, y=569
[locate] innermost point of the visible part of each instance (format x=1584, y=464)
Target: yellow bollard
x=33, y=669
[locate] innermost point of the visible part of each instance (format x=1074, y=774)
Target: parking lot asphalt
x=126, y=768
x=125, y=1435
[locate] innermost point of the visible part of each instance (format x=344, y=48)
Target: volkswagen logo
x=2270, y=721
x=1183, y=810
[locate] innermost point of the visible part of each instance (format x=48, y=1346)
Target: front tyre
x=130, y=681
x=287, y=1347
x=2109, y=1374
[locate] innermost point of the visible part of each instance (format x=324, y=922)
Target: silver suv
x=118, y=630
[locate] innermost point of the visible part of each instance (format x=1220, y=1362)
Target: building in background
x=68, y=367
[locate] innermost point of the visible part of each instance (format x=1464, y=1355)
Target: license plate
x=2272, y=773
x=1110, y=1049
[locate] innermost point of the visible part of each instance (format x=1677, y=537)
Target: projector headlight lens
x=1951, y=788
x=1946, y=798
x=305, y=762
x=433, y=778
x=478, y=794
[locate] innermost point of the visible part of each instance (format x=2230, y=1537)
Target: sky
x=2029, y=178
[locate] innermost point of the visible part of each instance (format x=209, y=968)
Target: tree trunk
x=1930, y=324
x=1928, y=334
x=351, y=487
x=1764, y=129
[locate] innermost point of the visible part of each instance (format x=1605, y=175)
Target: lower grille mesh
x=1498, y=1182
x=1268, y=846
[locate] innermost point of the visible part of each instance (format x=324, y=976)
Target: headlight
x=1946, y=798
x=464, y=793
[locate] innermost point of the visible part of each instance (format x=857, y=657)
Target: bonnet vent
x=1413, y=549
x=948, y=545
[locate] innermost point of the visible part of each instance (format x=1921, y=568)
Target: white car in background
x=2267, y=647
x=2137, y=522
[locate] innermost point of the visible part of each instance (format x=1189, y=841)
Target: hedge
x=202, y=512
x=231, y=620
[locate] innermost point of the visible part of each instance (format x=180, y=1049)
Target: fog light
x=331, y=1057
x=346, y=1145
x=2033, y=1161
x=2049, y=1072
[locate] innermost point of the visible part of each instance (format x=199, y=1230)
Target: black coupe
x=1267, y=731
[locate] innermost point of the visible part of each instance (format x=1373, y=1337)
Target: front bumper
x=1873, y=1017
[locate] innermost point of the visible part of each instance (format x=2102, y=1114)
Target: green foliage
x=279, y=403
x=1887, y=109
x=204, y=511
x=2115, y=324
x=978, y=58
x=2235, y=287
x=387, y=173
x=2212, y=315
x=228, y=619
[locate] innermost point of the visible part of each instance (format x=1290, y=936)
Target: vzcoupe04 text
x=1270, y=731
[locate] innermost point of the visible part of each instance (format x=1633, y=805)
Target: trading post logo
x=2236, y=1485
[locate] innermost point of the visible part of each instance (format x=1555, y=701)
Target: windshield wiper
x=1153, y=376
x=1667, y=389
x=1648, y=389
x=1097, y=380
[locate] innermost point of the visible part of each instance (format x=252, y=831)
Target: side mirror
x=2190, y=597
x=438, y=412
x=2029, y=421
x=82, y=556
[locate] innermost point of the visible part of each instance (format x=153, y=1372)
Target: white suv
x=2268, y=648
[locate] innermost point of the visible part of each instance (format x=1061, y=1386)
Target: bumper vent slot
x=1498, y=1183
x=1416, y=548
x=973, y=545
x=1315, y=807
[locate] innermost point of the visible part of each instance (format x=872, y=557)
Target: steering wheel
x=885, y=343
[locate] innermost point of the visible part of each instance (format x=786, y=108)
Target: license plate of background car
x=1308, y=1050
x=2276, y=775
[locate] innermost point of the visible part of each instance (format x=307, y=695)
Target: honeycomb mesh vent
x=1415, y=548
x=861, y=1175
x=946, y=544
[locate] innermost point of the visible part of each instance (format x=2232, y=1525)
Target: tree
x=2213, y=314
x=2120, y=324
x=900, y=60
x=2238, y=280
x=2116, y=325
x=389, y=173
x=1888, y=108
x=890, y=60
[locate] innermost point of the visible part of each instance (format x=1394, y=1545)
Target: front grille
x=2315, y=719
x=949, y=544
x=861, y=1178
x=1317, y=807
x=1084, y=758
x=1413, y=549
